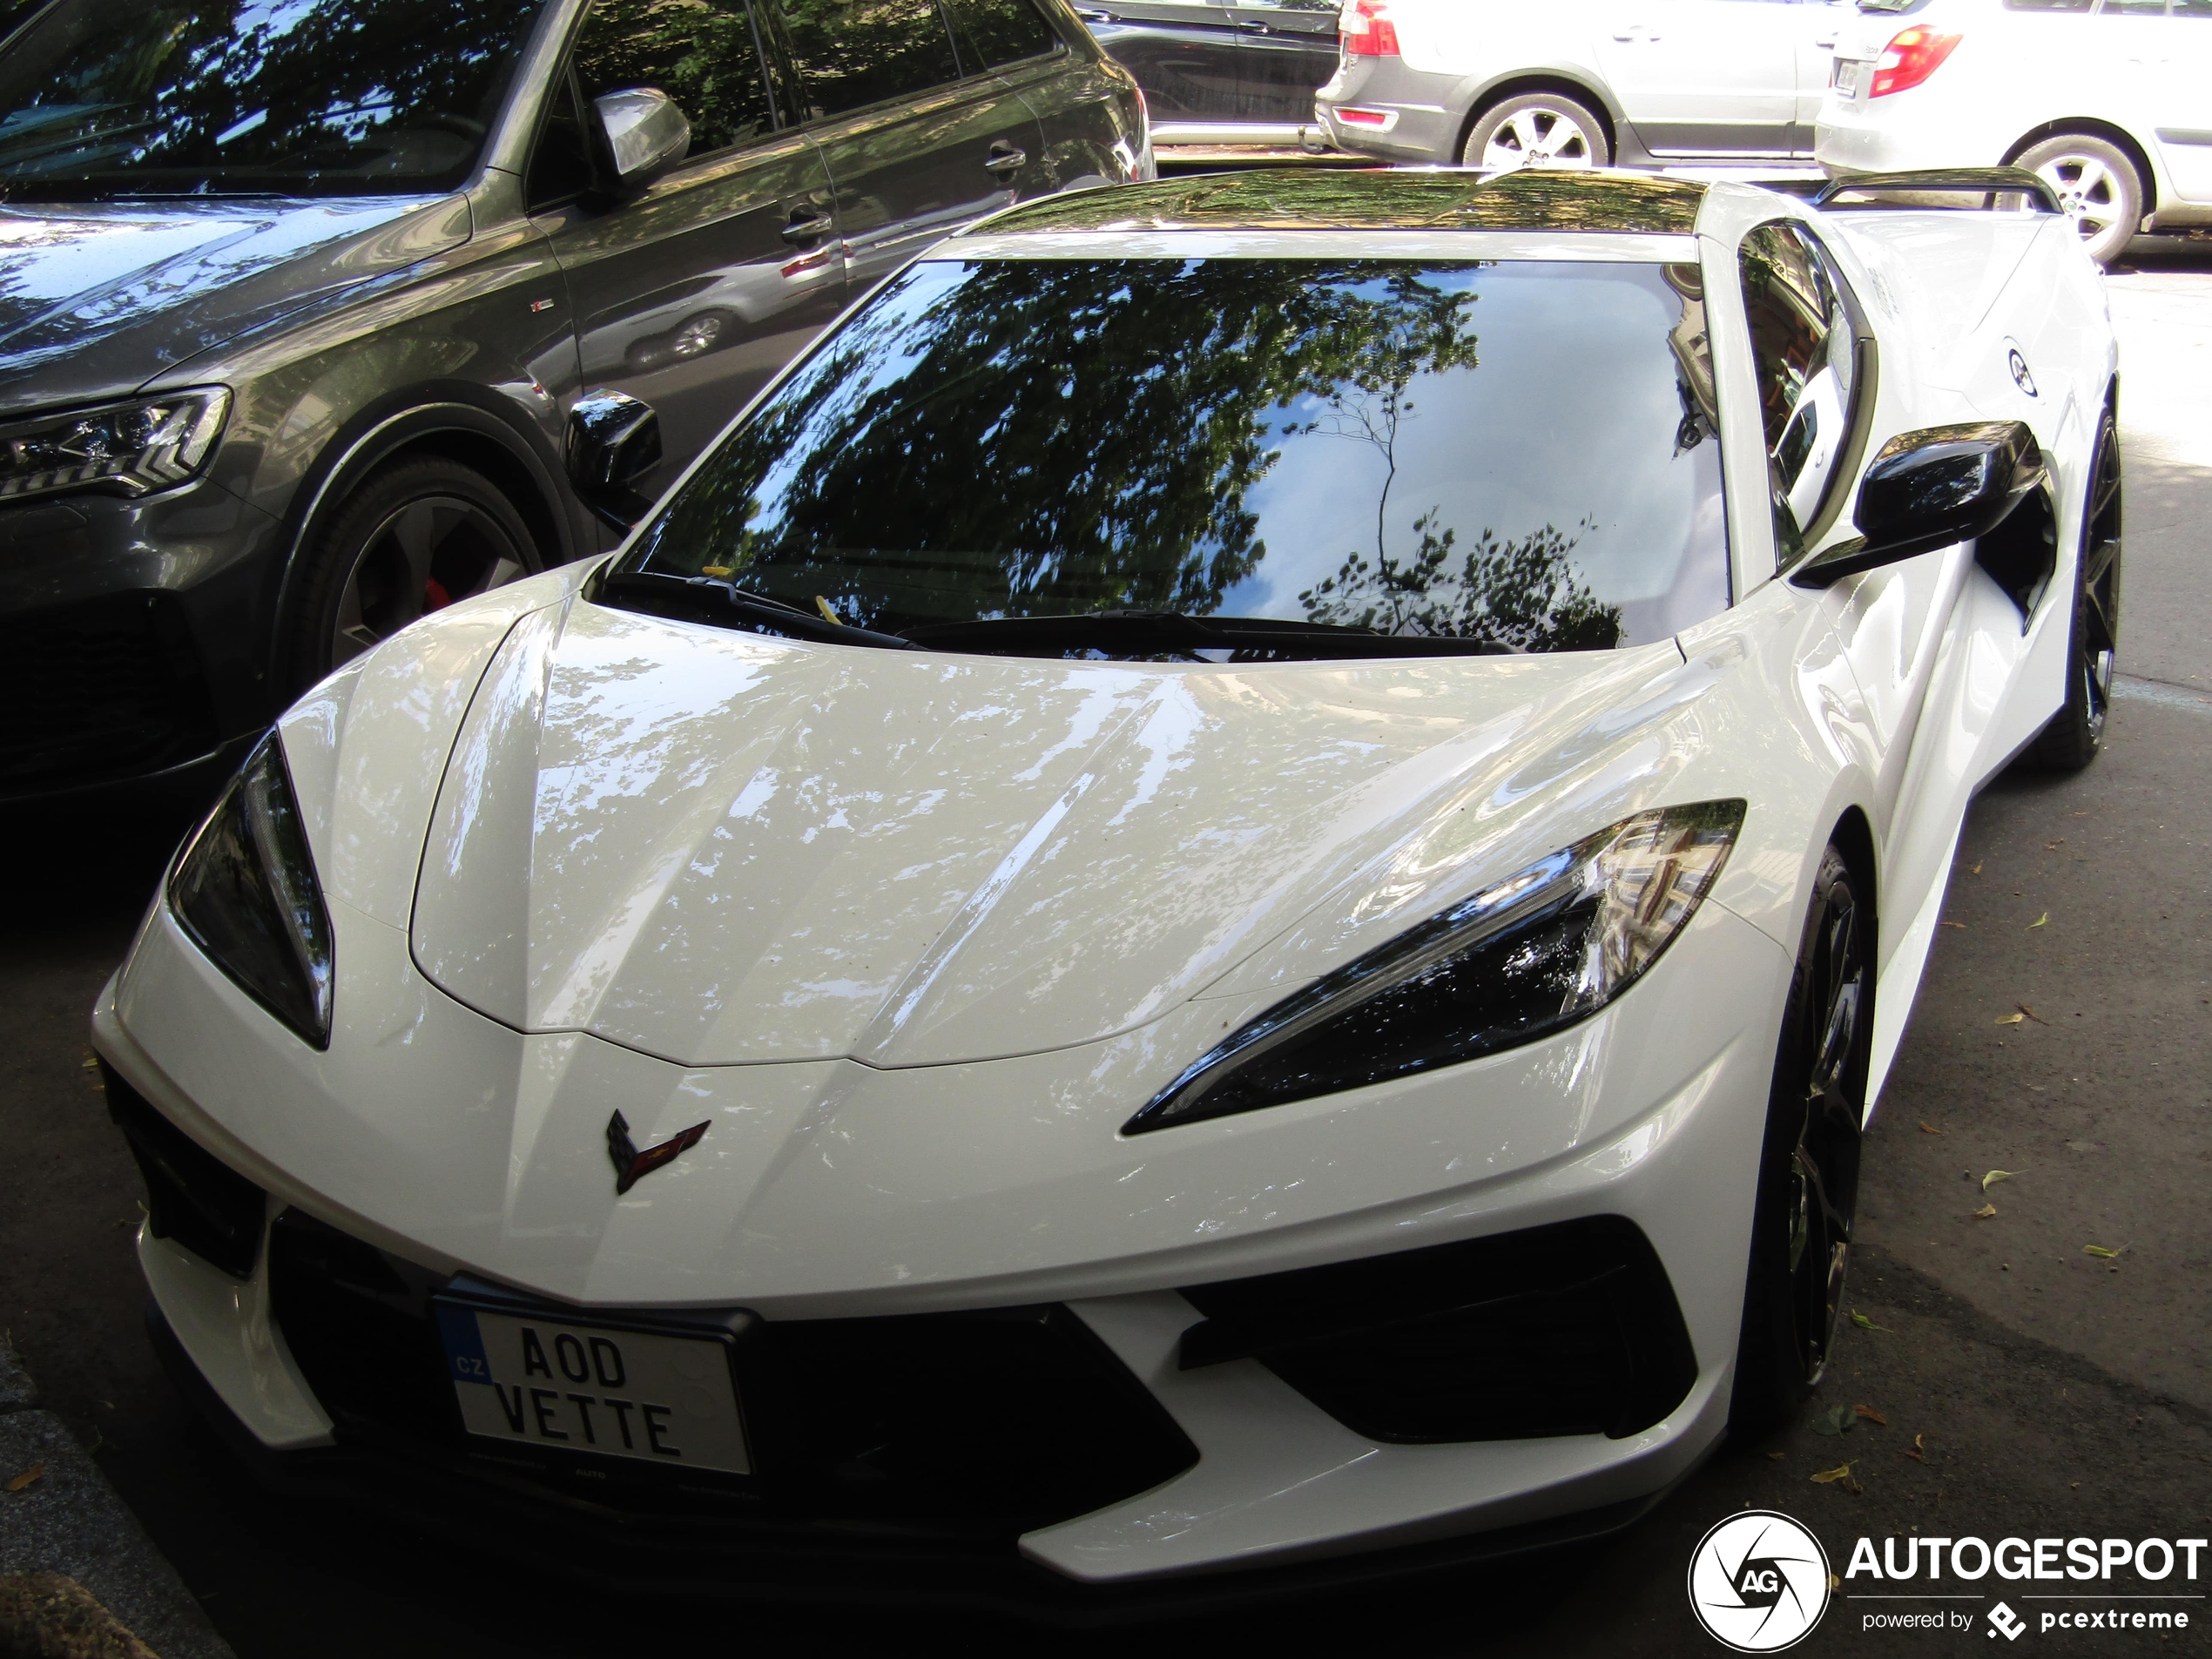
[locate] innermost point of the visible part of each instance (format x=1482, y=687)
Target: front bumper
x=1426, y=112
x=1641, y=1113
x=132, y=638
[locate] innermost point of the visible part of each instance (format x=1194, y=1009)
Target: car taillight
x=1365, y=29
x=1908, y=60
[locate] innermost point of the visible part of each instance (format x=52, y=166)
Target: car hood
x=719, y=848
x=97, y=300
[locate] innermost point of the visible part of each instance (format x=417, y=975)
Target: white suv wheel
x=1537, y=129
x=2097, y=186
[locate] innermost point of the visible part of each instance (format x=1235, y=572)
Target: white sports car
x=1228, y=886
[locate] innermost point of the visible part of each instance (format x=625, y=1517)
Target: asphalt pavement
x=2018, y=1384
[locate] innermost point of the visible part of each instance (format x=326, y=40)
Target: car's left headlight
x=132, y=448
x=244, y=890
x=1539, y=950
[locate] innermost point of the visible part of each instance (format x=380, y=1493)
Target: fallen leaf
x=1916, y=1451
x=1840, y=1475
x=1926, y=1128
x=716, y=569
x=2040, y=920
x=1777, y=1456
x=1865, y=1324
x=1985, y=1212
x=1955, y=924
x=29, y=1475
x=2031, y=1014
x=2011, y=1019
x=1975, y=870
x=2047, y=846
x=1837, y=1419
x=91, y=1063
x=2099, y=1251
x=1872, y=1415
x=1995, y=1176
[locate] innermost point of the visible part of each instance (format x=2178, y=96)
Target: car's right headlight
x=132, y=448
x=1546, y=946
x=244, y=890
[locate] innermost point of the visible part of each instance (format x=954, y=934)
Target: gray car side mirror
x=639, y=134
x=1930, y=488
x=614, y=440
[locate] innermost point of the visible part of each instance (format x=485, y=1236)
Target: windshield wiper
x=1248, y=638
x=699, y=598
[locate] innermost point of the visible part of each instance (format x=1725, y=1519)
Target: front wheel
x=2097, y=186
x=415, y=537
x=2077, y=731
x=1536, y=129
x=1808, y=1191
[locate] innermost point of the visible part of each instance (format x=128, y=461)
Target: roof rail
x=1979, y=181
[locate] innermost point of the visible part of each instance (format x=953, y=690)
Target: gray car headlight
x=128, y=449
x=1539, y=950
x=244, y=890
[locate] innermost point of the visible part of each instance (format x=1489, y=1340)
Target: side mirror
x=639, y=135
x=614, y=440
x=1930, y=488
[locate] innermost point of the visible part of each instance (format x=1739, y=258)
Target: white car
x=1583, y=83
x=1228, y=886
x=2110, y=101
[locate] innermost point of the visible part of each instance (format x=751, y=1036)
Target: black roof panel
x=1295, y=199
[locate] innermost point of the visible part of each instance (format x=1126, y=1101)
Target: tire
x=415, y=537
x=2077, y=731
x=1536, y=129
x=2098, y=187
x=1808, y=1191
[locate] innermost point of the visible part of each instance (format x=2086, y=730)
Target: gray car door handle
x=1005, y=159
x=811, y=228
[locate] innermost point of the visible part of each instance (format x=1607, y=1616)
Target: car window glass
x=1803, y=348
x=1517, y=451
x=854, y=52
x=2049, y=5
x=2191, y=8
x=321, y=97
x=996, y=32
x=702, y=53
x=560, y=167
x=2133, y=9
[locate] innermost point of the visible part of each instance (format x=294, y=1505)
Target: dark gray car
x=297, y=298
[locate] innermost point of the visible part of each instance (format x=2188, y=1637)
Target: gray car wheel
x=1536, y=129
x=415, y=538
x=2098, y=187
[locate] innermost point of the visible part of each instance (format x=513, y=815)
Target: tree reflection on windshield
x=1316, y=440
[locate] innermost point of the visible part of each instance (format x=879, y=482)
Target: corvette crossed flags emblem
x=631, y=1166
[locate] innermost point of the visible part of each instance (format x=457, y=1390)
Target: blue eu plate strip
x=464, y=1344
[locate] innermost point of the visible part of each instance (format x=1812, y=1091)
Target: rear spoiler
x=1942, y=181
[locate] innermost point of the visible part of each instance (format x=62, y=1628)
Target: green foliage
x=1522, y=593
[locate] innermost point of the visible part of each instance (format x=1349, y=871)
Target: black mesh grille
x=1570, y=1329
x=191, y=1195
x=108, y=689
x=978, y=1426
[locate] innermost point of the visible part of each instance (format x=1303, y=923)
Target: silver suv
x=298, y=302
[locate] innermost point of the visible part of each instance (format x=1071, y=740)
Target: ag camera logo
x=1759, y=1581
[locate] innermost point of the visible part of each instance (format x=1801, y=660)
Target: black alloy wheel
x=416, y=537
x=2077, y=731
x=1808, y=1194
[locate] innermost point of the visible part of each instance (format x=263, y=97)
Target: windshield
x=110, y=97
x=1520, y=453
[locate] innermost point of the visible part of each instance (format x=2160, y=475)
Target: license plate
x=656, y=1399
x=1847, y=69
